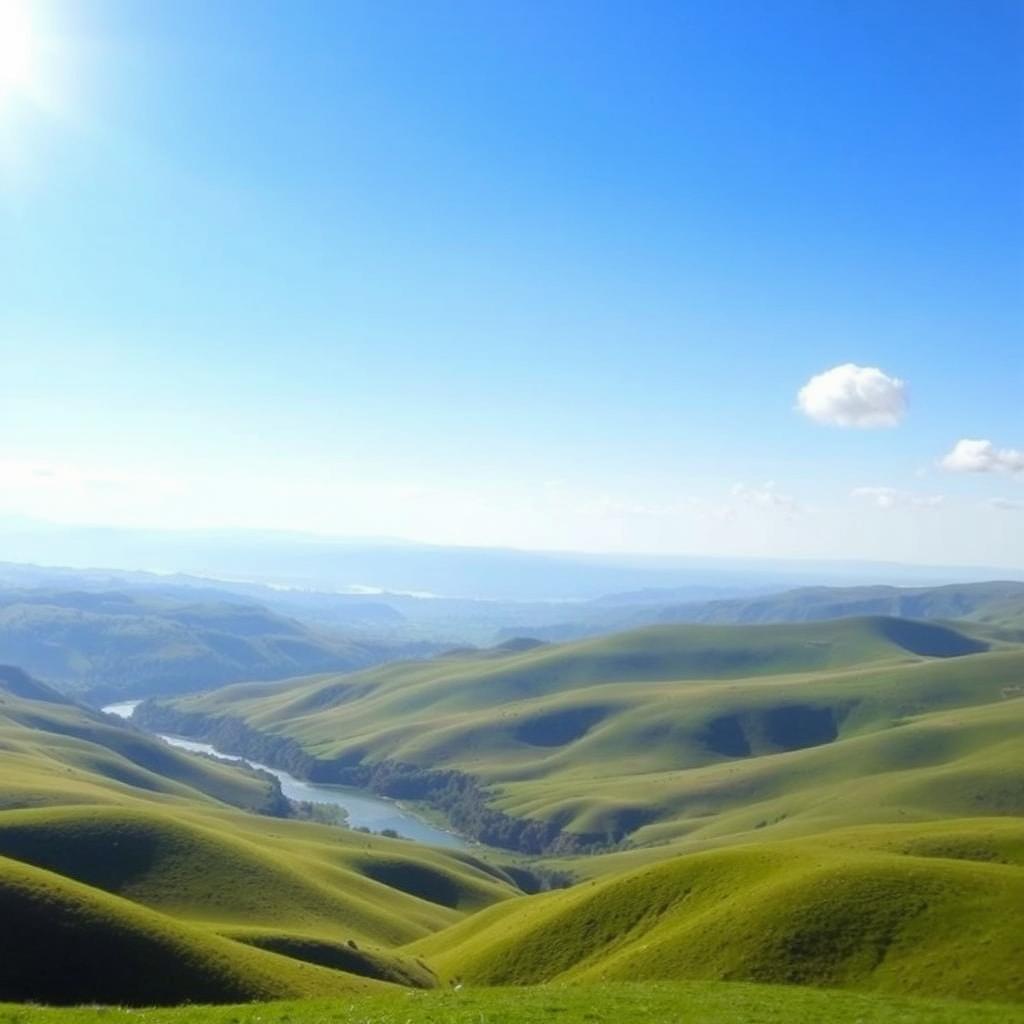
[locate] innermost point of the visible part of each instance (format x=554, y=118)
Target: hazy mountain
x=109, y=644
x=312, y=562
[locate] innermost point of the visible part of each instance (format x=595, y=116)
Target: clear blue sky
x=541, y=274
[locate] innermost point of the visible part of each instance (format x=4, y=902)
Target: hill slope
x=117, y=841
x=996, y=602
x=651, y=734
x=805, y=913
x=62, y=942
x=108, y=644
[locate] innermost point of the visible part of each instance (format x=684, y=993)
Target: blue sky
x=537, y=274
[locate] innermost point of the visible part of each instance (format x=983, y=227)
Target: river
x=363, y=809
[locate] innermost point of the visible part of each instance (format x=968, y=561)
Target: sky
x=728, y=278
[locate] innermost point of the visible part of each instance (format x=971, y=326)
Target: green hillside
x=54, y=751
x=111, y=644
x=834, y=913
x=831, y=804
x=683, y=733
x=62, y=942
x=1000, y=602
x=123, y=843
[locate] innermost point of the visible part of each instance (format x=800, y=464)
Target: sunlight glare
x=17, y=48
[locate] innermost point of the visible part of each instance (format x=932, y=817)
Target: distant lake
x=364, y=810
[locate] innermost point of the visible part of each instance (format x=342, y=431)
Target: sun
x=18, y=49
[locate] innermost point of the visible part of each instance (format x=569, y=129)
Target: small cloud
x=890, y=497
x=981, y=456
x=854, y=396
x=1006, y=504
x=766, y=495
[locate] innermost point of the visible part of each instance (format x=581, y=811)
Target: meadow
x=761, y=822
x=647, y=1003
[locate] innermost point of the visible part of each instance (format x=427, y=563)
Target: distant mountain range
x=999, y=604
x=106, y=645
x=106, y=633
x=333, y=564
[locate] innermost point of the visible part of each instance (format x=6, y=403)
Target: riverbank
x=362, y=810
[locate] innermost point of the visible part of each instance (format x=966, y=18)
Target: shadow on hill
x=557, y=728
x=62, y=943
x=416, y=880
x=929, y=640
x=20, y=684
x=343, y=956
x=772, y=730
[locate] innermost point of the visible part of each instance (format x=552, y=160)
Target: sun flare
x=18, y=49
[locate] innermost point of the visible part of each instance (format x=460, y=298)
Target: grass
x=111, y=644
x=657, y=1003
x=832, y=911
x=685, y=734
x=120, y=882
x=844, y=793
x=63, y=942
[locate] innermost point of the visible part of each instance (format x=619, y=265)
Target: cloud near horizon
x=890, y=498
x=977, y=455
x=1006, y=504
x=766, y=495
x=862, y=397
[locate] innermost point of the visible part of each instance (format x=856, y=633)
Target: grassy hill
x=54, y=751
x=831, y=804
x=1000, y=602
x=131, y=850
x=106, y=644
x=682, y=733
x=62, y=942
x=850, y=912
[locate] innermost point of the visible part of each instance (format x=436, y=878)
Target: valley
x=833, y=804
x=361, y=810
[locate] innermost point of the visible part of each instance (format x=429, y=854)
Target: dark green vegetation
x=110, y=644
x=647, y=1003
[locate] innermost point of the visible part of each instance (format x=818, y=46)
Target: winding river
x=363, y=809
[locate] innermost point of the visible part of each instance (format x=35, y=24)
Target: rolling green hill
x=831, y=804
x=799, y=912
x=110, y=644
x=999, y=602
x=132, y=850
x=679, y=733
x=62, y=942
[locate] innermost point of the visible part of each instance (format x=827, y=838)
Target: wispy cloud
x=854, y=396
x=892, y=498
x=766, y=495
x=56, y=478
x=1006, y=504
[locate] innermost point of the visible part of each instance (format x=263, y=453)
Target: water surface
x=364, y=810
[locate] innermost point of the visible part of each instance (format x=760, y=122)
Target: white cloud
x=980, y=456
x=1006, y=504
x=766, y=495
x=854, y=396
x=890, y=497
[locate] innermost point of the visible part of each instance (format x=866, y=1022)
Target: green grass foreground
x=652, y=1003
